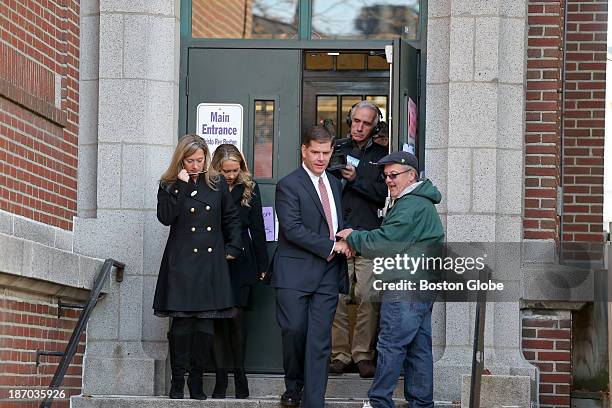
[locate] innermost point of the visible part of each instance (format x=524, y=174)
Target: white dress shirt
x=332, y=202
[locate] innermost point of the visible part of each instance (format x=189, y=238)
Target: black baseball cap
x=400, y=157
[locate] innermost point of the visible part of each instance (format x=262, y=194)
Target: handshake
x=341, y=246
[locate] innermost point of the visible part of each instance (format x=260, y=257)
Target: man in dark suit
x=309, y=269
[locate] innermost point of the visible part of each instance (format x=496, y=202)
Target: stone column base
x=500, y=391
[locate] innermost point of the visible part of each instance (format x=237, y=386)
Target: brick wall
x=39, y=105
x=583, y=161
x=547, y=344
x=543, y=126
x=27, y=325
x=583, y=121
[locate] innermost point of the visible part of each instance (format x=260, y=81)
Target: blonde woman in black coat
x=193, y=286
x=245, y=270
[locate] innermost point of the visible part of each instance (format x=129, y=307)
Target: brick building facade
x=564, y=159
x=40, y=120
x=39, y=110
x=39, y=124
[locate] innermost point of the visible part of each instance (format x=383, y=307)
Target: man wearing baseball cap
x=411, y=225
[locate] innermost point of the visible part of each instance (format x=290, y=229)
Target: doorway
x=284, y=91
x=334, y=81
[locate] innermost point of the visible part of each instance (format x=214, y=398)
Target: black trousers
x=306, y=320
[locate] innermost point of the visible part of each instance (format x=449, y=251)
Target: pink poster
x=412, y=119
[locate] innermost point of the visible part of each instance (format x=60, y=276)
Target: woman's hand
x=183, y=175
x=229, y=257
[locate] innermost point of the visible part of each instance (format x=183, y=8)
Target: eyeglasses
x=392, y=176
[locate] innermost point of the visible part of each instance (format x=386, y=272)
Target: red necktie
x=327, y=211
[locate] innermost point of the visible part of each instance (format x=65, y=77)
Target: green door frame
x=302, y=43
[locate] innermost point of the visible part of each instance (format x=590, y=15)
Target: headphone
x=376, y=128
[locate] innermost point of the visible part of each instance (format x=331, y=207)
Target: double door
x=279, y=101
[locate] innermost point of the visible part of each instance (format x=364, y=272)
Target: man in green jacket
x=411, y=229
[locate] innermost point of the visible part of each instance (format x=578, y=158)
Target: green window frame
x=304, y=29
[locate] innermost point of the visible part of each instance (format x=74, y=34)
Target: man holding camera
x=363, y=194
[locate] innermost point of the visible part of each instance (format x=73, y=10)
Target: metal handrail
x=478, y=360
x=71, y=347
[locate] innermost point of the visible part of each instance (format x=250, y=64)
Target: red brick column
x=584, y=120
x=543, y=126
x=27, y=325
x=547, y=345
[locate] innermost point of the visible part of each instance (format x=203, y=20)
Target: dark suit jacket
x=300, y=261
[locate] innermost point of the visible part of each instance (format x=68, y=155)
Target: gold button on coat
x=192, y=209
x=175, y=191
x=207, y=207
x=192, y=229
x=209, y=249
x=195, y=250
x=208, y=229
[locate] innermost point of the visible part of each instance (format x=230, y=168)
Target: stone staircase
x=346, y=391
x=164, y=402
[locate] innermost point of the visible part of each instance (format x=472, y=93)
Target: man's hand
x=348, y=172
x=342, y=247
x=344, y=233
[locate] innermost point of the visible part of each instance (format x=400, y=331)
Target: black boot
x=177, y=386
x=200, y=348
x=194, y=383
x=220, y=383
x=179, y=344
x=241, y=384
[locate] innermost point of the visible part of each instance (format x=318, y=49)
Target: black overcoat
x=245, y=269
x=204, y=226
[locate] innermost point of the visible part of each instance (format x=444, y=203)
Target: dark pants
x=305, y=320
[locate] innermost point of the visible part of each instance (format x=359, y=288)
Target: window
x=344, y=61
x=263, y=141
x=326, y=19
x=365, y=19
x=253, y=19
x=327, y=112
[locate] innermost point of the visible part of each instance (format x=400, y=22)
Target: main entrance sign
x=220, y=123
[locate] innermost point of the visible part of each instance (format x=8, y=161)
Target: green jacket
x=411, y=226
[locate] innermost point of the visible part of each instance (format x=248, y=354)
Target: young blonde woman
x=230, y=334
x=193, y=285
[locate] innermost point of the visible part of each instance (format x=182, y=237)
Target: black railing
x=478, y=359
x=71, y=347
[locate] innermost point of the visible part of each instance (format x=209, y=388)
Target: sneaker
x=366, y=404
x=367, y=369
x=337, y=367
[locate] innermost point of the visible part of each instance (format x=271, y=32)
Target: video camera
x=338, y=158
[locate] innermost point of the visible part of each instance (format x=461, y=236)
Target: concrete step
x=269, y=385
x=338, y=386
x=164, y=402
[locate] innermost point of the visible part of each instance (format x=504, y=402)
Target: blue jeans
x=404, y=341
